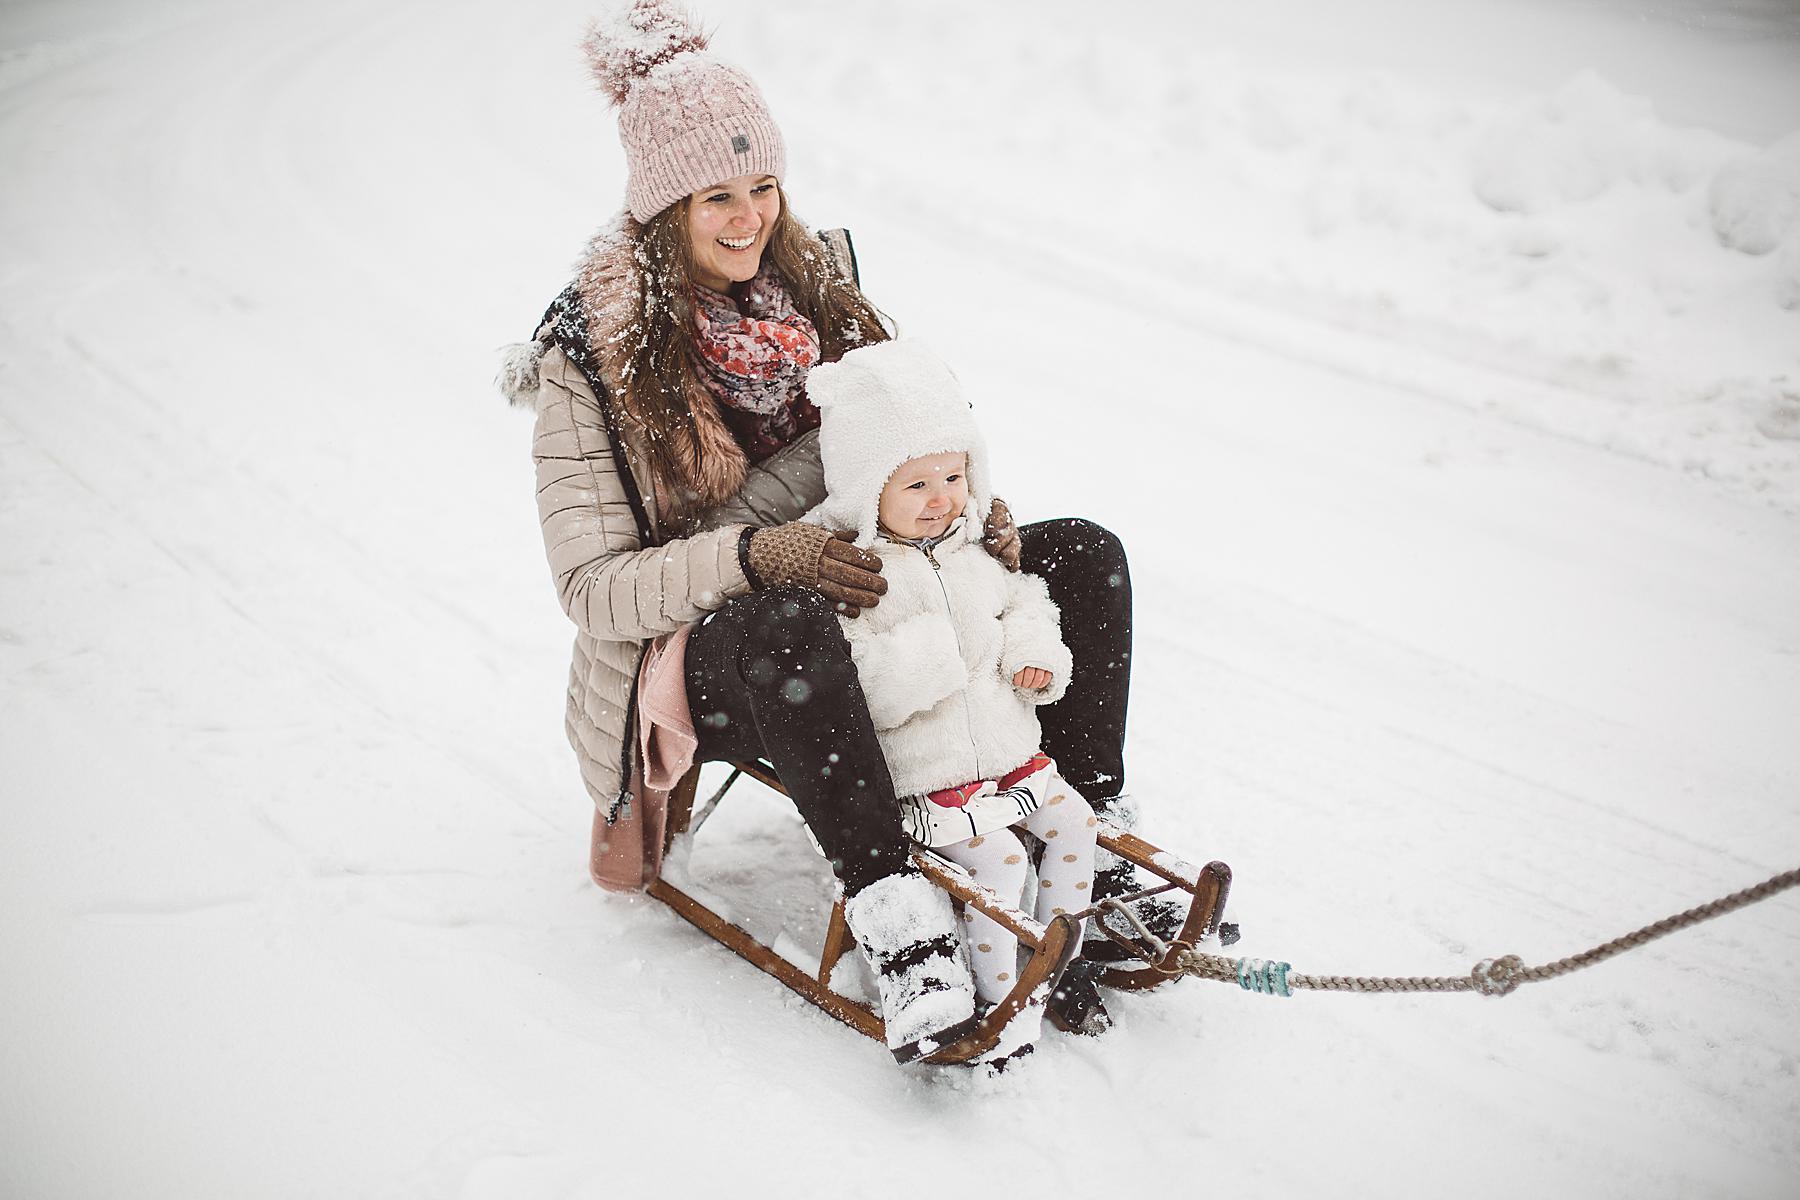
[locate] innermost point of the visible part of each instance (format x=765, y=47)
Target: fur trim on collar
x=610, y=286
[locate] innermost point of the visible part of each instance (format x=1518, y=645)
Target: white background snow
x=1438, y=363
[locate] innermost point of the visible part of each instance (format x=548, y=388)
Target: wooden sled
x=1051, y=945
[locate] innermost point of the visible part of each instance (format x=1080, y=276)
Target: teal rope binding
x=1262, y=976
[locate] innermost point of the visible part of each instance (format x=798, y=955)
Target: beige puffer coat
x=619, y=591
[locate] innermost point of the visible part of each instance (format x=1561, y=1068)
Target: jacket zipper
x=937, y=573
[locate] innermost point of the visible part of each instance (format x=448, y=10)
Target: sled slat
x=1151, y=858
x=762, y=774
x=955, y=880
x=837, y=942
x=681, y=808
x=760, y=956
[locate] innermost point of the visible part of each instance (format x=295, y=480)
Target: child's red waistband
x=957, y=797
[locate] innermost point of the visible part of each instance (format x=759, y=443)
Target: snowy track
x=1438, y=657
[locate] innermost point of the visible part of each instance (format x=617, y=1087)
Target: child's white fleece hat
x=880, y=406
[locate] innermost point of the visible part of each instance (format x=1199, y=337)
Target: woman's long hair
x=660, y=371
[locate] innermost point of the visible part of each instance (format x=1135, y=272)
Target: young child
x=958, y=653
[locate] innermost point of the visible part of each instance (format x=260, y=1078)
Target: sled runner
x=1051, y=945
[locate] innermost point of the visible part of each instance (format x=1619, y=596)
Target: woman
x=676, y=452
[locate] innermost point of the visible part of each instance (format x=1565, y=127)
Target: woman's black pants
x=769, y=676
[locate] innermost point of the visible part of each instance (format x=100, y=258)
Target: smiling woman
x=677, y=452
x=728, y=228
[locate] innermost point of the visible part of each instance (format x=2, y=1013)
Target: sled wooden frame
x=1052, y=945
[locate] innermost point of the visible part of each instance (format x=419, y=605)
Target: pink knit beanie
x=686, y=119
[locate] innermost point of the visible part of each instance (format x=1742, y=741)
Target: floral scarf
x=753, y=354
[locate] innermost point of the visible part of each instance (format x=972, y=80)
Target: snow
x=1421, y=355
x=1755, y=198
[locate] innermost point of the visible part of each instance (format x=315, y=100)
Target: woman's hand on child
x=806, y=555
x=999, y=536
x=850, y=577
x=1032, y=679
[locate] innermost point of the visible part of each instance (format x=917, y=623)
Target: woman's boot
x=1114, y=877
x=905, y=926
x=1075, y=1005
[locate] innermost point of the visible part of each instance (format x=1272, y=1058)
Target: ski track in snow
x=297, y=905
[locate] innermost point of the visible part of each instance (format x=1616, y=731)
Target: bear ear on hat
x=825, y=384
x=627, y=44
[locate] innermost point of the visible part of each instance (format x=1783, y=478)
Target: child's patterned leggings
x=998, y=861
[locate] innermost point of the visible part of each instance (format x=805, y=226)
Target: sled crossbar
x=1052, y=945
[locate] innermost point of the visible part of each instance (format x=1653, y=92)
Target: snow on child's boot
x=905, y=925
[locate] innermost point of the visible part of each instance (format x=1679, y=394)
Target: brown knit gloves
x=808, y=555
x=999, y=536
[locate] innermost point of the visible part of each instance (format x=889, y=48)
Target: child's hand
x=1032, y=679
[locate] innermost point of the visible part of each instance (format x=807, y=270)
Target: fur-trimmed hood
x=521, y=366
x=598, y=324
x=881, y=406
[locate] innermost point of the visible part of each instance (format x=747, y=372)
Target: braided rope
x=1490, y=977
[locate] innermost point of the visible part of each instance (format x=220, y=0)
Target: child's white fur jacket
x=938, y=653
x=937, y=657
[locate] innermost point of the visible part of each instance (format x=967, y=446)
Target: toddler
x=959, y=652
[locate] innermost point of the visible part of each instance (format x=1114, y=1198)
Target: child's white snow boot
x=904, y=923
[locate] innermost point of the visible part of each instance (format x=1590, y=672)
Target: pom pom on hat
x=687, y=120
x=627, y=45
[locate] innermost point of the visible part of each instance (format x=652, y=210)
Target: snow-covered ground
x=1440, y=365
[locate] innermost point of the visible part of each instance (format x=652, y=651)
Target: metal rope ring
x=1180, y=950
